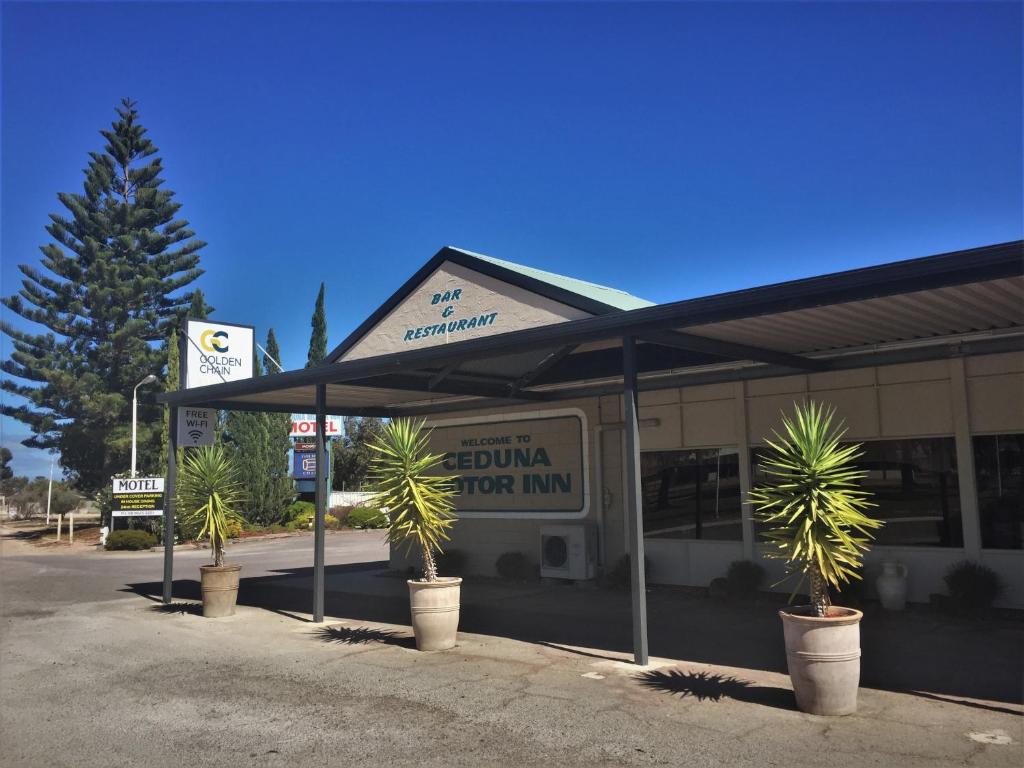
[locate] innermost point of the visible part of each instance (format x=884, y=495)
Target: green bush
x=130, y=539
x=367, y=517
x=451, y=562
x=299, y=510
x=330, y=521
x=513, y=566
x=744, y=578
x=972, y=587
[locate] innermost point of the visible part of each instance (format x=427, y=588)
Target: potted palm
x=420, y=506
x=815, y=518
x=209, y=492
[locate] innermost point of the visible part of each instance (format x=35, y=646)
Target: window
x=999, y=469
x=691, y=494
x=914, y=483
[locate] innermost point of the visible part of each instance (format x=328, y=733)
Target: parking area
x=95, y=672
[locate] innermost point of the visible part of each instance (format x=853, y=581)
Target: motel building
x=584, y=423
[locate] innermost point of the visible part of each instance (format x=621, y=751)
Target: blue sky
x=671, y=150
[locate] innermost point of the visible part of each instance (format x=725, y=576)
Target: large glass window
x=692, y=494
x=914, y=483
x=999, y=468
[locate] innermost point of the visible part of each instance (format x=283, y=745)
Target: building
x=528, y=378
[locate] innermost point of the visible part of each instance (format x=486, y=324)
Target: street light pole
x=135, y=417
x=135, y=431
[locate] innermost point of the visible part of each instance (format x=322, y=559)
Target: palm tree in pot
x=815, y=518
x=209, y=493
x=420, y=506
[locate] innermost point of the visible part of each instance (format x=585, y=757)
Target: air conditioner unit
x=568, y=551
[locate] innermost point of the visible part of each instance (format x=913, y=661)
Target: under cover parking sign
x=137, y=497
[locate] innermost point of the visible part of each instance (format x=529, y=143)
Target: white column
x=965, y=459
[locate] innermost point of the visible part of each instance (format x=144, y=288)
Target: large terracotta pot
x=220, y=589
x=435, y=612
x=823, y=655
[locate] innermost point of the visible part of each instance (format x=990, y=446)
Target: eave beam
x=731, y=350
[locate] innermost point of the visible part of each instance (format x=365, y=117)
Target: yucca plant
x=812, y=506
x=419, y=503
x=209, y=493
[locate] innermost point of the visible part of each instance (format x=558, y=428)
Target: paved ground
x=94, y=673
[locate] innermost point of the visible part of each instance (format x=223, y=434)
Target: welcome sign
x=217, y=352
x=516, y=467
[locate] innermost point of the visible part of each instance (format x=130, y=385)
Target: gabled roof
x=588, y=297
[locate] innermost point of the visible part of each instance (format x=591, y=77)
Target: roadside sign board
x=304, y=425
x=195, y=426
x=138, y=496
x=304, y=465
x=218, y=352
x=303, y=446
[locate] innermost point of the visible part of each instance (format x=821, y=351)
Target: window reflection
x=691, y=494
x=999, y=469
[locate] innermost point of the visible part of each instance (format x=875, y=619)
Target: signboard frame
x=503, y=418
x=116, y=498
x=189, y=346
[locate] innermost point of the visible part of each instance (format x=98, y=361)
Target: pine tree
x=107, y=295
x=198, y=309
x=318, y=338
x=281, y=488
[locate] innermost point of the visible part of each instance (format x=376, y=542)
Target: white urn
x=892, y=585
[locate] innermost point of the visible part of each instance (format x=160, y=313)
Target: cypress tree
x=172, y=381
x=318, y=338
x=107, y=294
x=246, y=433
x=198, y=309
x=281, y=488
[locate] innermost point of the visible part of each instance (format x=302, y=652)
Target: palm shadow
x=706, y=686
x=362, y=636
x=193, y=609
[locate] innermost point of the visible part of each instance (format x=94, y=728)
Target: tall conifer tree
x=107, y=294
x=318, y=338
x=281, y=489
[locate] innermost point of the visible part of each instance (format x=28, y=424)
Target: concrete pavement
x=94, y=674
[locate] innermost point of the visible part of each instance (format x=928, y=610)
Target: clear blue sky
x=672, y=150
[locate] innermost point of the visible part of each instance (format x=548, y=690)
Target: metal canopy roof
x=966, y=302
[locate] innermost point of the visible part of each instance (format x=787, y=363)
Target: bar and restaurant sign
x=138, y=496
x=516, y=467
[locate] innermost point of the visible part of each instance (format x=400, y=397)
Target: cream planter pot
x=435, y=612
x=892, y=586
x=823, y=655
x=220, y=590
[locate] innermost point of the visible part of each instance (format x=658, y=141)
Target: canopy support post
x=169, y=488
x=632, y=499
x=321, y=502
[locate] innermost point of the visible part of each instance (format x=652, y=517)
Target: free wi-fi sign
x=195, y=426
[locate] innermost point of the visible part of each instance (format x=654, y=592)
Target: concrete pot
x=219, y=585
x=435, y=612
x=823, y=656
x=892, y=586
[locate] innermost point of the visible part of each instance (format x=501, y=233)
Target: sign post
x=137, y=497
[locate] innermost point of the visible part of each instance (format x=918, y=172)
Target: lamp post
x=135, y=415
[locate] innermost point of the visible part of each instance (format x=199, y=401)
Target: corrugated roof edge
x=603, y=293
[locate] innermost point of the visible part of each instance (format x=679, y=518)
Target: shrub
x=451, y=562
x=367, y=517
x=341, y=513
x=513, y=566
x=299, y=510
x=972, y=587
x=620, y=574
x=744, y=578
x=233, y=529
x=330, y=521
x=130, y=539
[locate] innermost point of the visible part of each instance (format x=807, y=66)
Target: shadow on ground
x=917, y=651
x=362, y=636
x=706, y=686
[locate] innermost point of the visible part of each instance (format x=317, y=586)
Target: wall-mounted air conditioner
x=568, y=551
